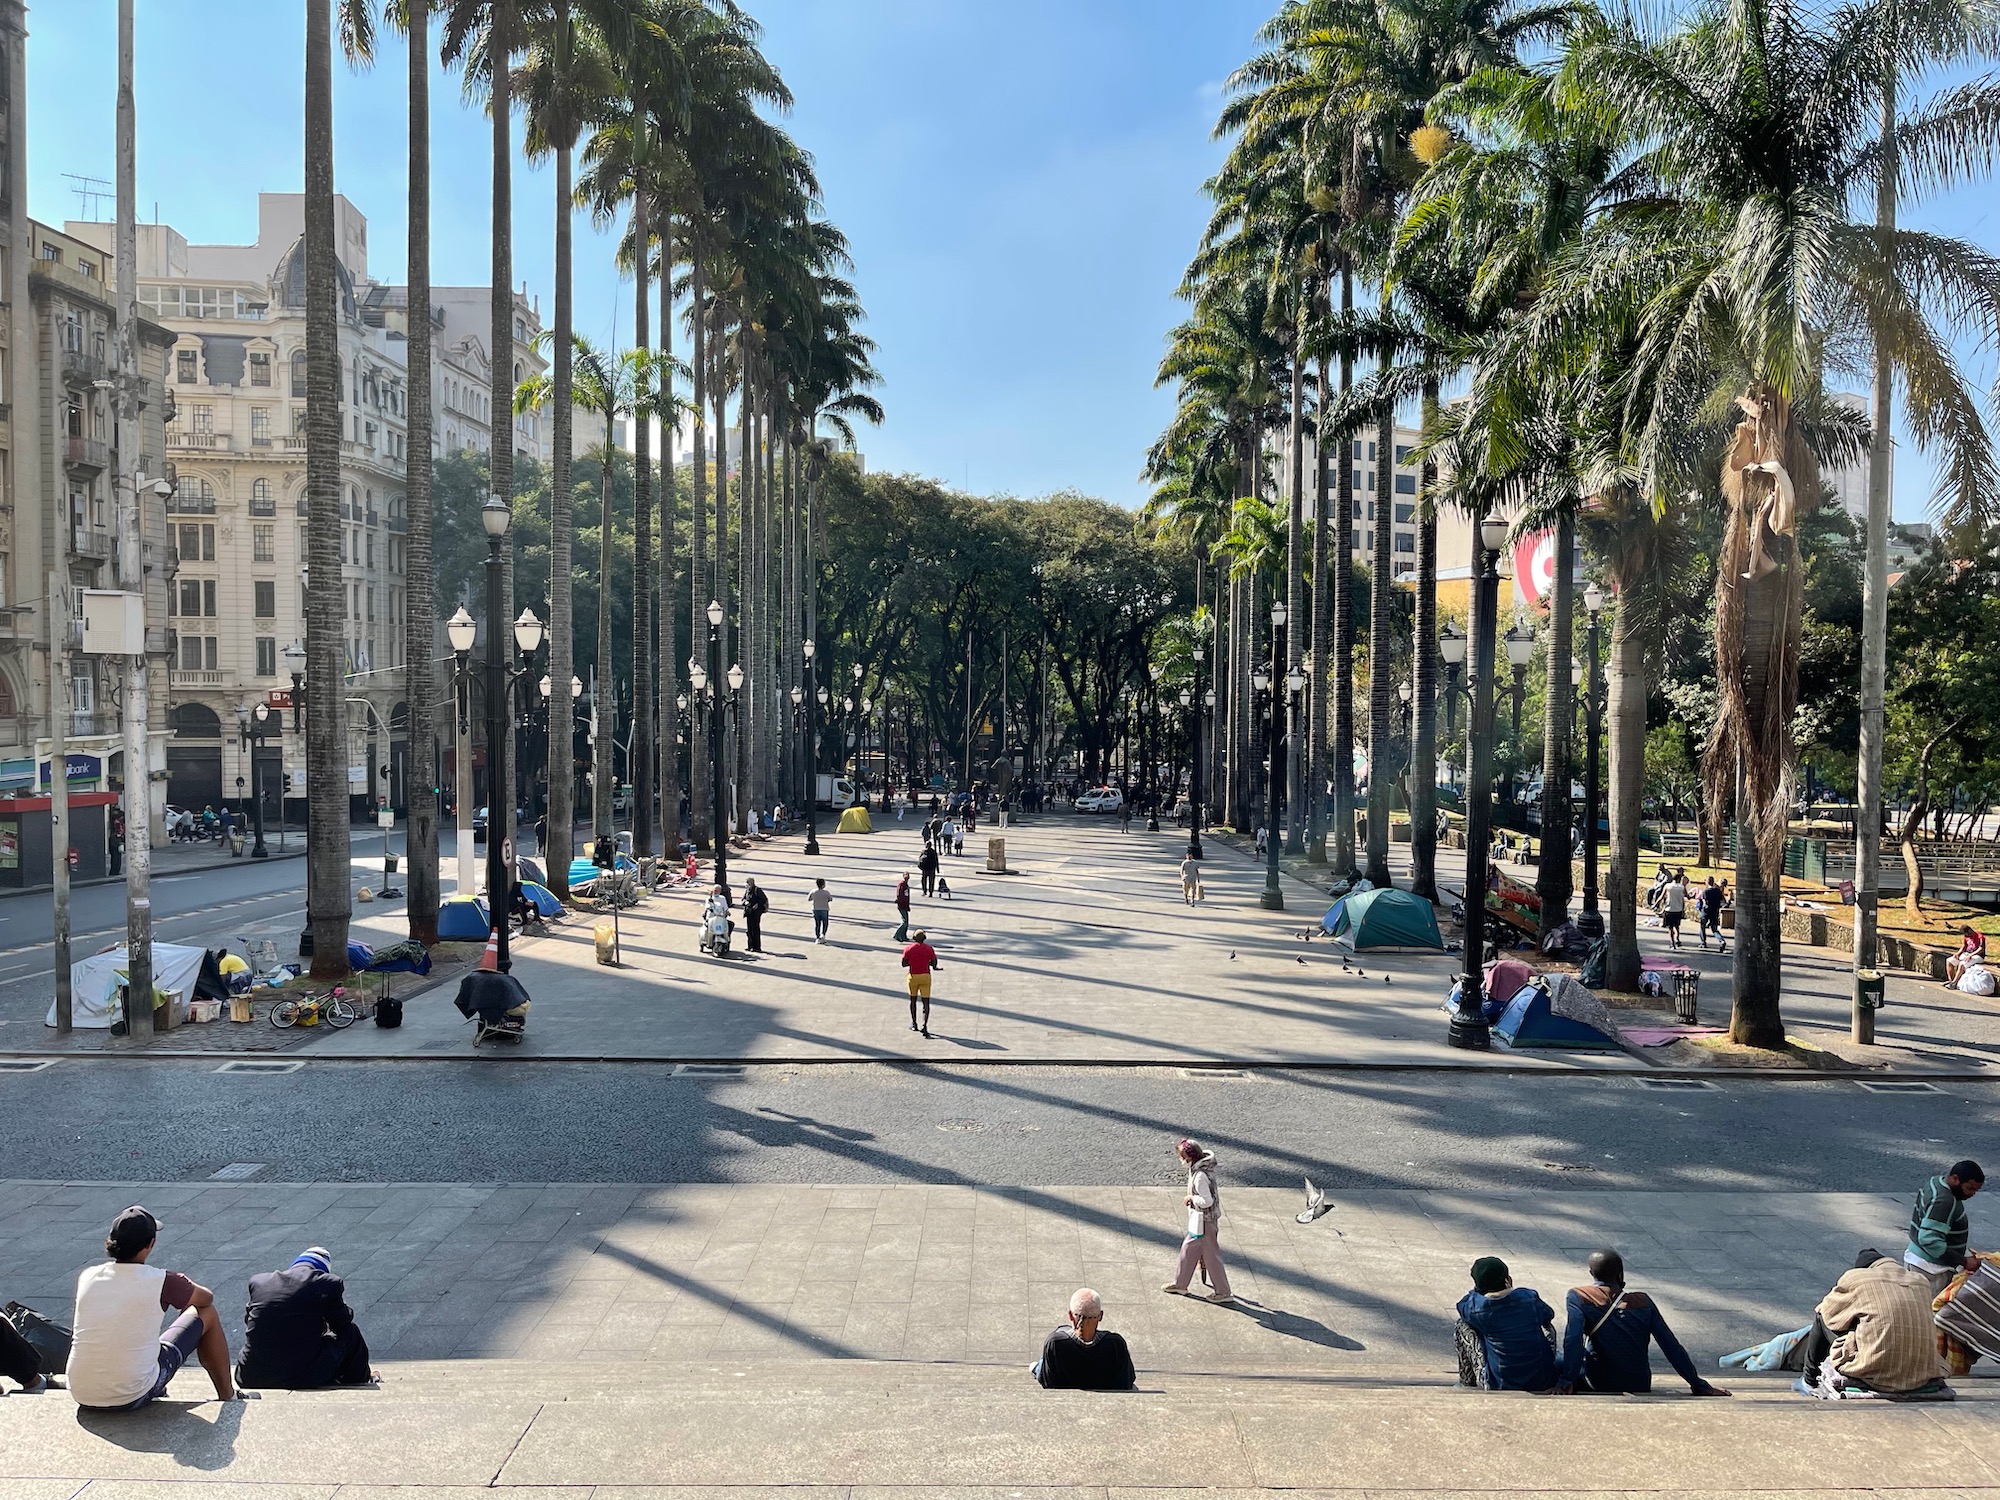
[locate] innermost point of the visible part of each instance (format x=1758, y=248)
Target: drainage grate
x=254, y=1065
x=709, y=1070
x=1675, y=1083
x=1897, y=1086
x=237, y=1171
x=27, y=1064
x=1212, y=1073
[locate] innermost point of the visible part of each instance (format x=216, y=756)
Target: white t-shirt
x=114, y=1356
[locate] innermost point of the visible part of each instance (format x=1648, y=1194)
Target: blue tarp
x=464, y=919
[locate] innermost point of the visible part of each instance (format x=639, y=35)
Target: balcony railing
x=209, y=441
x=181, y=677
x=293, y=444
x=80, y=368
x=86, y=453
x=89, y=543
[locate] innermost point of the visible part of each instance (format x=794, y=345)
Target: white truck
x=836, y=792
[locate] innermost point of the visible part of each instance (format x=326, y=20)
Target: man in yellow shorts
x=920, y=958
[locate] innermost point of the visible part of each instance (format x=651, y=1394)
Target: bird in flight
x=1316, y=1204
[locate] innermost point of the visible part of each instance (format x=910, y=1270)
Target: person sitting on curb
x=19, y=1361
x=298, y=1331
x=1608, y=1334
x=1940, y=1230
x=1971, y=950
x=1506, y=1334
x=1082, y=1356
x=1874, y=1332
x=119, y=1359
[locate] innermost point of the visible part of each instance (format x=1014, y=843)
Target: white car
x=1100, y=800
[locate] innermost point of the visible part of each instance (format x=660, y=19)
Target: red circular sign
x=75, y=858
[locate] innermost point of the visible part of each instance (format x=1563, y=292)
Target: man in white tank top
x=119, y=1359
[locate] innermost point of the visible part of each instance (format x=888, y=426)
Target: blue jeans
x=819, y=923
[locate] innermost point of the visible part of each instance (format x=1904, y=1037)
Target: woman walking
x=1200, y=1246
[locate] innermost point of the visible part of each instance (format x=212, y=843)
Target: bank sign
x=83, y=769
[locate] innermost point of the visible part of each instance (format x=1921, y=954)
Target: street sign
x=279, y=698
x=75, y=858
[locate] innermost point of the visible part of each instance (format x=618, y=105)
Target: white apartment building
x=1397, y=509
x=237, y=376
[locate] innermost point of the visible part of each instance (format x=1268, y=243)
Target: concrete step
x=846, y=1427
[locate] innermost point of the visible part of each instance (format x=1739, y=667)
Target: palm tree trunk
x=698, y=564
x=1321, y=674
x=604, y=696
x=561, y=821
x=1294, y=768
x=1552, y=876
x=1381, y=672
x=719, y=557
x=328, y=888
x=500, y=476
x=669, y=752
x=746, y=592
x=1625, y=682
x=1343, y=617
x=1423, y=671
x=420, y=585
x=642, y=543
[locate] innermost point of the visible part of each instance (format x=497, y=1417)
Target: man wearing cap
x=298, y=1331
x=119, y=1359
x=1506, y=1339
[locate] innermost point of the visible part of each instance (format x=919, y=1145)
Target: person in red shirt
x=920, y=958
x=903, y=907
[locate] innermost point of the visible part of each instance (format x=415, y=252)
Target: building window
x=201, y=419
x=1402, y=453
x=1367, y=541
x=371, y=549
x=184, y=366
x=261, y=503
x=266, y=594
x=1405, y=514
x=260, y=426
x=1406, y=543
x=299, y=373
x=196, y=544
x=267, y=656
x=263, y=545
x=260, y=369
x=198, y=653
x=1406, y=484
x=371, y=601
x=298, y=421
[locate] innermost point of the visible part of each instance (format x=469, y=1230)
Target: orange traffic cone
x=489, y=961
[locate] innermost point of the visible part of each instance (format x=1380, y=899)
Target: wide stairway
x=831, y=1427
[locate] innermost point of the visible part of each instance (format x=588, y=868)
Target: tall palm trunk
x=1295, y=542
x=419, y=566
x=668, y=689
x=719, y=556
x=746, y=593
x=698, y=580
x=1321, y=674
x=500, y=477
x=1423, y=672
x=604, y=697
x=1343, y=616
x=561, y=821
x=328, y=888
x=641, y=765
x=1552, y=877
x=1625, y=776
x=1381, y=672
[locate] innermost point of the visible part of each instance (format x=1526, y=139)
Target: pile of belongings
x=1976, y=980
x=1968, y=1316
x=1567, y=942
x=406, y=957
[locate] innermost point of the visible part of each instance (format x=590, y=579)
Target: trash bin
x=1871, y=989
x=390, y=864
x=235, y=844
x=1687, y=996
x=606, y=938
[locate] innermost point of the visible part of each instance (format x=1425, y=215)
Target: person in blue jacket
x=1609, y=1332
x=1506, y=1340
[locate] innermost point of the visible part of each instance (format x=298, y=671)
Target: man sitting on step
x=1082, y=1356
x=298, y=1331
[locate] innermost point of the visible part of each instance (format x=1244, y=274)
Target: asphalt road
x=497, y=1118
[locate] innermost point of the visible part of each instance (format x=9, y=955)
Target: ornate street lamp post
x=1451, y=646
x=495, y=517
x=461, y=630
x=1153, y=743
x=812, y=695
x=253, y=724
x=1591, y=921
x=718, y=704
x=1468, y=1022
x=1193, y=697
x=1520, y=643
x=1282, y=688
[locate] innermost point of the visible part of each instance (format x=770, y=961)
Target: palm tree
x=1734, y=258
x=328, y=888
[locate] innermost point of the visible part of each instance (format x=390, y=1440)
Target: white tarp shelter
x=94, y=983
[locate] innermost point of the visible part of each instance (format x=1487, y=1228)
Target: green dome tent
x=1385, y=918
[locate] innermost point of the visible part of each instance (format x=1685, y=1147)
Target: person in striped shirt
x=1940, y=1229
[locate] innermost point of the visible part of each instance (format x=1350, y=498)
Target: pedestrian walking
x=958, y=842
x=903, y=907
x=1200, y=1245
x=1673, y=906
x=1263, y=840
x=822, y=908
x=950, y=834
x=755, y=904
x=920, y=958
x=1124, y=817
x=927, y=866
x=1190, y=880
x=1708, y=912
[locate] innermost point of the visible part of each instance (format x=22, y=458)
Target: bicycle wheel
x=285, y=1013
x=337, y=1013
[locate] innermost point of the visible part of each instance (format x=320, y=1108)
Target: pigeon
x=1316, y=1204
x=1232, y=953
x=1302, y=960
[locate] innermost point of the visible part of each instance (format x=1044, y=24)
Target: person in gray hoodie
x=1200, y=1246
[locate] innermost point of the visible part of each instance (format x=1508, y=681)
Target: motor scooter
x=715, y=930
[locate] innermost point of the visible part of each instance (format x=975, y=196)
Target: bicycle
x=309, y=1010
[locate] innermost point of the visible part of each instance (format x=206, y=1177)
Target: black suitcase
x=49, y=1339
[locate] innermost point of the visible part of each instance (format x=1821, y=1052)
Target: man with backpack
x=1609, y=1334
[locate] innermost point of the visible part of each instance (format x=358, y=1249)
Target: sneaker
x=1174, y=1291
x=1219, y=1300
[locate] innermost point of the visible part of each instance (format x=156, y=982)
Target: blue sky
x=1020, y=183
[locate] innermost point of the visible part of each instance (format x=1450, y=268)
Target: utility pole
x=131, y=558
x=59, y=777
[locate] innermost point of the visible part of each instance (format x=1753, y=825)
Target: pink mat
x=1659, y=1036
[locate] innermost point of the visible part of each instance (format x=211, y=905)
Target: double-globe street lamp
x=1284, y=690
x=719, y=704
x=495, y=517
x=1191, y=699
x=1590, y=921
x=810, y=694
x=1469, y=1030
x=546, y=688
x=252, y=725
